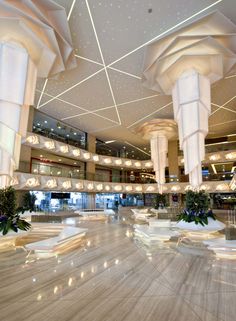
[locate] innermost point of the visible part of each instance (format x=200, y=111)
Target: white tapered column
x=159, y=149
x=18, y=77
x=192, y=107
x=184, y=64
x=158, y=131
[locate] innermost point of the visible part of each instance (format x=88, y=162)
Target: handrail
x=59, y=148
x=50, y=183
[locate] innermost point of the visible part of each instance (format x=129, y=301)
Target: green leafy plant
x=159, y=200
x=29, y=201
x=9, y=213
x=197, y=208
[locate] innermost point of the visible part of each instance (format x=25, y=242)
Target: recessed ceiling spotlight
x=59, y=160
x=45, y=121
x=75, y=163
x=75, y=133
x=67, y=135
x=41, y=155
x=38, y=124
x=52, y=129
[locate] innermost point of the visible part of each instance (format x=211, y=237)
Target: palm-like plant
x=197, y=208
x=9, y=213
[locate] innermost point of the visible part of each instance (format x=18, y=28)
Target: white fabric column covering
x=159, y=149
x=192, y=107
x=17, y=86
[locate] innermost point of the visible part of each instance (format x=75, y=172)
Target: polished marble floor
x=115, y=279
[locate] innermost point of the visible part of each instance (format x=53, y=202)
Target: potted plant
x=9, y=213
x=197, y=208
x=29, y=202
x=197, y=216
x=159, y=201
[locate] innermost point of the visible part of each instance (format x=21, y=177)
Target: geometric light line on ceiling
x=228, y=101
x=215, y=111
x=103, y=61
x=100, y=109
x=46, y=80
x=126, y=73
x=137, y=148
x=136, y=100
x=63, y=101
x=90, y=60
x=216, y=105
x=87, y=111
x=72, y=87
x=115, y=69
x=71, y=9
x=165, y=32
x=139, y=120
x=104, y=128
x=81, y=115
x=42, y=92
x=223, y=106
x=232, y=76
x=118, y=105
x=79, y=107
x=226, y=122
x=95, y=111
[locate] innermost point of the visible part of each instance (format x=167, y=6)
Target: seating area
x=10, y=240
x=142, y=214
x=118, y=160
x=94, y=214
x=153, y=234
x=68, y=238
x=222, y=248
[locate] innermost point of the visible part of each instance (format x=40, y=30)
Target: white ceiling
x=104, y=95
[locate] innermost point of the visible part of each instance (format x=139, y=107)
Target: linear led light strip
x=109, y=107
x=226, y=122
x=143, y=45
x=98, y=63
x=103, y=61
x=166, y=32
x=223, y=106
x=139, y=120
x=76, y=106
x=137, y=148
x=46, y=80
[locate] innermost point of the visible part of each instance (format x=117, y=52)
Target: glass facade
x=52, y=128
x=57, y=169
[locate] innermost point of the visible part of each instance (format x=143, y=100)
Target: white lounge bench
x=154, y=234
x=85, y=212
x=222, y=248
x=94, y=215
x=10, y=239
x=67, y=239
x=153, y=222
x=140, y=215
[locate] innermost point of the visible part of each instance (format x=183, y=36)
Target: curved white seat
x=211, y=227
x=222, y=248
x=150, y=234
x=67, y=237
